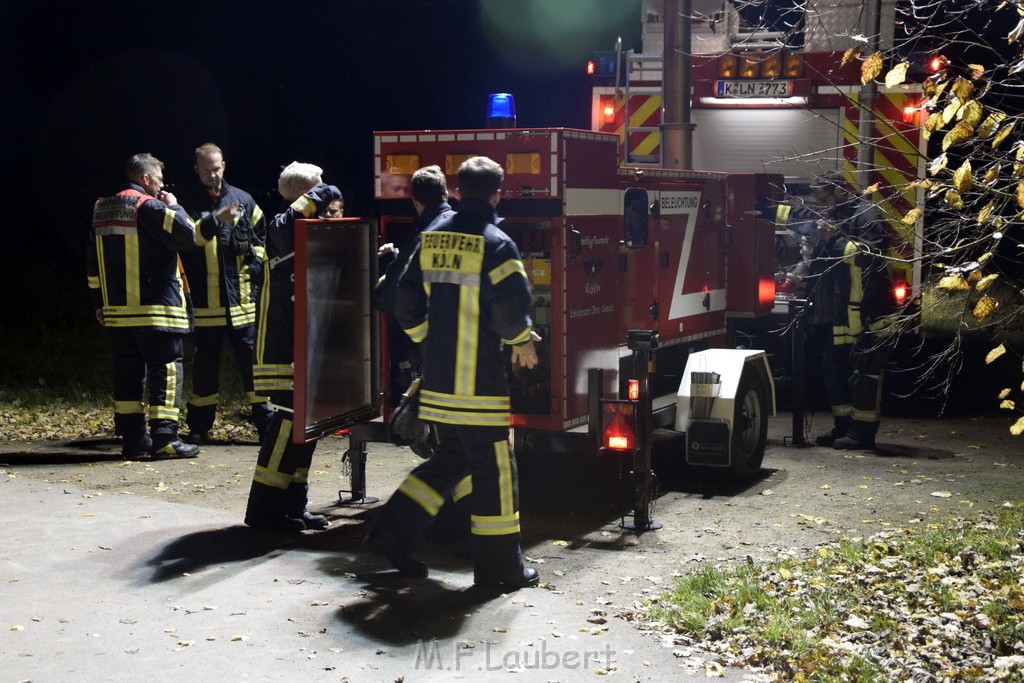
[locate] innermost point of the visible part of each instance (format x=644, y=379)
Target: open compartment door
x=337, y=351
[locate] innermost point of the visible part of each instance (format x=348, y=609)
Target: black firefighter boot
x=268, y=510
x=842, y=426
x=860, y=437
x=298, y=495
x=497, y=563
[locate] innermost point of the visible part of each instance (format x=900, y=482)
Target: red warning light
x=634, y=389
x=937, y=63
x=899, y=291
x=591, y=67
x=607, y=109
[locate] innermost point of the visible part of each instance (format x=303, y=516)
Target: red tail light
x=899, y=291
x=634, y=389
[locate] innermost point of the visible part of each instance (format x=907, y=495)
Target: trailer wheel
x=749, y=424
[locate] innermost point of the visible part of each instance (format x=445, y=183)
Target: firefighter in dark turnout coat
x=464, y=295
x=277, y=499
x=430, y=200
x=139, y=295
x=853, y=295
x=224, y=277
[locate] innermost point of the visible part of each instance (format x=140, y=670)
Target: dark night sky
x=86, y=85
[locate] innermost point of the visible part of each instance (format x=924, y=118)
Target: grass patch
x=56, y=382
x=933, y=602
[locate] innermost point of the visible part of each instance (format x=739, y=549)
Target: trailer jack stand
x=643, y=522
x=643, y=344
x=355, y=458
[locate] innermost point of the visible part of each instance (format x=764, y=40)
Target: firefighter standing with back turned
x=852, y=293
x=224, y=277
x=278, y=496
x=465, y=279
x=139, y=295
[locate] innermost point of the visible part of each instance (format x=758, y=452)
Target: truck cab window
x=636, y=212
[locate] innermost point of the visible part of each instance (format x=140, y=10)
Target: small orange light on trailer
x=591, y=67
x=401, y=164
x=453, y=161
x=634, y=389
x=619, y=420
x=523, y=163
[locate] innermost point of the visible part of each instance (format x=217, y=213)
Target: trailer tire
x=749, y=423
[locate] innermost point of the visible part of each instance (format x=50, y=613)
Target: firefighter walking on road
x=224, y=277
x=466, y=281
x=852, y=294
x=137, y=290
x=278, y=497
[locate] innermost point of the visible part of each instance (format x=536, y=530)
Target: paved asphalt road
x=104, y=576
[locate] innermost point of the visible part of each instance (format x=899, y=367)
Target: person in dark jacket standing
x=224, y=277
x=853, y=294
x=137, y=290
x=464, y=295
x=279, y=492
x=430, y=200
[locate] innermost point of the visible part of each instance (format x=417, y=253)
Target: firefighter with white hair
x=279, y=493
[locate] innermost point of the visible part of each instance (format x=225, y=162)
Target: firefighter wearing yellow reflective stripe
x=278, y=496
x=466, y=279
x=852, y=294
x=137, y=291
x=224, y=275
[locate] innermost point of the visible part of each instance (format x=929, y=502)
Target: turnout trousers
x=853, y=380
x=494, y=503
x=208, y=342
x=280, y=483
x=144, y=356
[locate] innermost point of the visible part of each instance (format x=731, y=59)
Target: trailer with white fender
x=637, y=275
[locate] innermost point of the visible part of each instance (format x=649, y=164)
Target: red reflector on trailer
x=619, y=425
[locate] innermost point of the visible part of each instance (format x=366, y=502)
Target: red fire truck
x=763, y=100
x=636, y=274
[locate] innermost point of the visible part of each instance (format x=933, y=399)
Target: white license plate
x=753, y=88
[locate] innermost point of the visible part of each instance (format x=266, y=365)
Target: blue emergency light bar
x=501, y=111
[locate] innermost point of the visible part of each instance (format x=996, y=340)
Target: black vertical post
x=595, y=392
x=798, y=379
x=643, y=344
